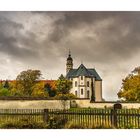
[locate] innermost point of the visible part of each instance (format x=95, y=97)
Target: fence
x=88, y=118
x=16, y=115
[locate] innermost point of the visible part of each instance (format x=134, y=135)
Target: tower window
x=81, y=77
x=75, y=83
x=81, y=91
x=87, y=83
x=88, y=94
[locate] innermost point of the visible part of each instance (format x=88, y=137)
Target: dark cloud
x=13, y=42
x=115, y=39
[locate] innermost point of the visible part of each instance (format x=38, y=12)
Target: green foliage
x=5, y=89
x=50, y=90
x=6, y=84
x=27, y=80
x=65, y=96
x=4, y=92
x=63, y=85
x=38, y=90
x=56, y=122
x=130, y=90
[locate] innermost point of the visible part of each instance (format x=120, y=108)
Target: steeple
x=69, y=53
x=69, y=64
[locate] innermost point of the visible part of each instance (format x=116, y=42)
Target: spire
x=69, y=53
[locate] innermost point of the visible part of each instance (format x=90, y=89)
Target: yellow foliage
x=38, y=90
x=130, y=90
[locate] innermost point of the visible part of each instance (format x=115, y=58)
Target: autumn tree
x=6, y=84
x=63, y=87
x=130, y=90
x=27, y=80
x=15, y=88
x=39, y=90
x=4, y=89
x=50, y=90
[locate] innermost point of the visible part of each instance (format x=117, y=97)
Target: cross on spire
x=69, y=52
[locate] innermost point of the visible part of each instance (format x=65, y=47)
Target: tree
x=130, y=90
x=51, y=91
x=63, y=85
x=4, y=92
x=39, y=91
x=27, y=80
x=6, y=84
x=15, y=89
x=4, y=88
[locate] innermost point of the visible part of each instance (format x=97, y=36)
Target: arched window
x=75, y=83
x=88, y=94
x=81, y=77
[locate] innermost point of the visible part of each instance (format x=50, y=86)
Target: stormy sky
x=106, y=41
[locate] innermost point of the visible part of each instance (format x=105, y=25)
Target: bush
x=4, y=92
x=65, y=96
x=56, y=122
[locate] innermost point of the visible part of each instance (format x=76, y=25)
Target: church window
x=71, y=79
x=88, y=94
x=81, y=91
x=81, y=77
x=76, y=93
x=87, y=83
x=75, y=83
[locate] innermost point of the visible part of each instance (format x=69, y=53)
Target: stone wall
x=57, y=104
x=86, y=104
x=32, y=104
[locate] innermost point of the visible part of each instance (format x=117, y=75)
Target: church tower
x=69, y=64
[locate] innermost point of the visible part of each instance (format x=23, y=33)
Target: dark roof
x=69, y=57
x=83, y=71
x=95, y=74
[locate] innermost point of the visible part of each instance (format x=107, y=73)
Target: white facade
x=81, y=87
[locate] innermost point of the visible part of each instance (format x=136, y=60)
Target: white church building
x=86, y=83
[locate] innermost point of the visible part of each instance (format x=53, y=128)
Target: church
x=86, y=82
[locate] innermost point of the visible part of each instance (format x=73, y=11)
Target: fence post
x=46, y=115
x=114, y=117
x=114, y=114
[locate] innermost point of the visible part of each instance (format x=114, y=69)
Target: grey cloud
x=12, y=42
x=112, y=41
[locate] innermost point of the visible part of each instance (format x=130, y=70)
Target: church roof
x=83, y=71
